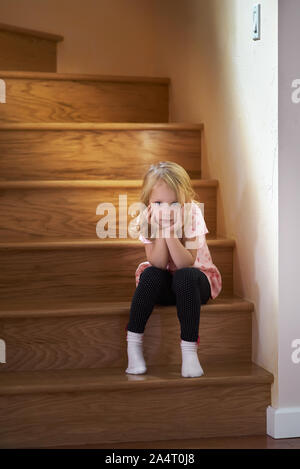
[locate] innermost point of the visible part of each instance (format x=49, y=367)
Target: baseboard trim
x=283, y=422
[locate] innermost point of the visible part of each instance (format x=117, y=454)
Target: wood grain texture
x=80, y=407
x=67, y=143
x=101, y=270
x=99, y=340
x=84, y=100
x=33, y=210
x=96, y=151
x=26, y=52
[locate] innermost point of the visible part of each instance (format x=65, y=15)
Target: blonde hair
x=175, y=176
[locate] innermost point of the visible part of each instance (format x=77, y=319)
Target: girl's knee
x=152, y=274
x=184, y=274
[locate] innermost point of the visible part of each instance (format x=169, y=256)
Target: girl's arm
x=157, y=252
x=181, y=256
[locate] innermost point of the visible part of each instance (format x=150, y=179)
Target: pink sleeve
x=196, y=226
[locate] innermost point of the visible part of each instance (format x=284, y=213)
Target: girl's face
x=162, y=199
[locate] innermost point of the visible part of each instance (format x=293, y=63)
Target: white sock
x=190, y=362
x=136, y=362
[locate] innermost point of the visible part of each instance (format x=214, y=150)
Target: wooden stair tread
x=100, y=126
x=97, y=243
x=82, y=76
x=24, y=382
x=69, y=308
x=31, y=32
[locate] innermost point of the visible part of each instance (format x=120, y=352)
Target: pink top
x=203, y=259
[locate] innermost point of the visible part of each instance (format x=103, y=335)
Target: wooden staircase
x=67, y=143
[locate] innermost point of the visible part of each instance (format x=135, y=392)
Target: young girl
x=179, y=269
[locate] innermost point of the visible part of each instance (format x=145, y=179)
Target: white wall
x=221, y=77
x=285, y=419
x=113, y=37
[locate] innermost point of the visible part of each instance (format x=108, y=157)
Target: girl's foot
x=190, y=362
x=136, y=362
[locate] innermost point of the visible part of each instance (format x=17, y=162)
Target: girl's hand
x=173, y=227
x=155, y=220
x=174, y=224
x=150, y=218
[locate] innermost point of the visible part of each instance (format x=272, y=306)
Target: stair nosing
x=70, y=76
x=92, y=126
x=97, y=243
x=90, y=183
x=12, y=28
x=116, y=308
x=90, y=379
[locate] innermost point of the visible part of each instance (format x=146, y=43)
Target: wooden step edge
x=122, y=308
x=86, y=380
x=98, y=244
x=31, y=32
x=100, y=126
x=83, y=77
x=92, y=184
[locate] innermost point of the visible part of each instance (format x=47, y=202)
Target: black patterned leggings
x=187, y=287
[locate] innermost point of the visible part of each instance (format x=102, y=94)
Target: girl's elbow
x=160, y=265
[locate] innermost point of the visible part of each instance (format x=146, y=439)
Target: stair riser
x=48, y=419
x=84, y=101
x=100, y=341
x=91, y=154
x=70, y=213
x=87, y=274
x=24, y=52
